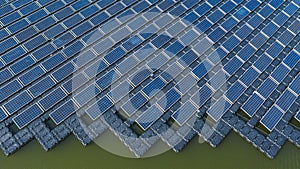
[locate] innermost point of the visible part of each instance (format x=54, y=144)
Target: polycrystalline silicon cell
x=27, y=116
x=13, y=54
x=201, y=96
x=100, y=107
x=184, y=113
x=295, y=85
x=153, y=87
x=149, y=117
x=9, y=89
x=233, y=65
x=16, y=103
x=34, y=42
x=280, y=72
x=74, y=83
x=106, y=80
x=218, y=109
x=120, y=91
x=252, y=104
x=170, y=98
x=157, y=61
x=43, y=52
x=286, y=100
x=272, y=118
x=267, y=88
x=292, y=59
x=41, y=86
x=134, y=103
x=22, y=64
x=3, y=115
x=235, y=91
x=4, y=75
x=18, y=26
x=63, y=72
x=188, y=58
x=202, y=69
x=7, y=44
x=87, y=94
x=171, y=72
x=31, y=75
x=127, y=65
x=297, y=116
x=10, y=18
x=249, y=76
x=140, y=76
x=53, y=61
x=114, y=55
x=54, y=97
x=262, y=62
x=186, y=83
x=63, y=112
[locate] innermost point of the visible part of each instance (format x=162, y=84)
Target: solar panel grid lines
x=246, y=43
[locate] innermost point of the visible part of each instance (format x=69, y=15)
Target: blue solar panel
x=202, y=69
x=63, y=72
x=171, y=97
x=86, y=95
x=233, y=65
x=63, y=112
x=252, y=104
x=153, y=61
x=280, y=72
x=292, y=59
x=149, y=117
x=263, y=62
x=27, y=116
x=271, y=118
x=97, y=109
x=235, y=91
x=135, y=103
x=267, y=87
x=41, y=86
x=249, y=76
x=183, y=114
x=18, y=102
x=286, y=100
x=153, y=87
x=3, y=115
x=18, y=26
x=9, y=89
x=31, y=75
x=294, y=85
x=218, y=109
x=51, y=99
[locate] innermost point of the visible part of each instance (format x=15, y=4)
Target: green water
x=233, y=153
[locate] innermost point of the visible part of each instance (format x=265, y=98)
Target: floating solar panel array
x=149, y=70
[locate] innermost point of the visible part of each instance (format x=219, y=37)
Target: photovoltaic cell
x=153, y=61
x=149, y=117
x=27, y=116
x=271, y=118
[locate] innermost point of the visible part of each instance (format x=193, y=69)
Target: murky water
x=233, y=153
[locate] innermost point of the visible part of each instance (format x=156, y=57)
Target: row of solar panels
x=205, y=16
x=229, y=66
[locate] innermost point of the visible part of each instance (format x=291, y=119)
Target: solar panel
x=27, y=116
x=182, y=115
x=218, y=109
x=153, y=63
x=149, y=117
x=271, y=118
